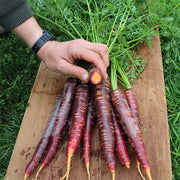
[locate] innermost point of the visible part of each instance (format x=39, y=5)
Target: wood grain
x=153, y=113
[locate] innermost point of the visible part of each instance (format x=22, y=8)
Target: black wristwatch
x=41, y=41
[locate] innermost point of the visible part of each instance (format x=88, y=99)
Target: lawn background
x=18, y=68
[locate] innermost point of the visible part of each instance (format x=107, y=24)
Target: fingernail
x=85, y=77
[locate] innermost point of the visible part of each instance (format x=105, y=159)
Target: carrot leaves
x=122, y=25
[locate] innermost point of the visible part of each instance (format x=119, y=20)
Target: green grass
x=18, y=68
x=169, y=27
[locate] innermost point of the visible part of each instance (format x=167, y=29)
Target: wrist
x=41, y=41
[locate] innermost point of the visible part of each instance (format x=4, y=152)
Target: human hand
x=60, y=57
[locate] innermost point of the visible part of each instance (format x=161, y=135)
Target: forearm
x=29, y=31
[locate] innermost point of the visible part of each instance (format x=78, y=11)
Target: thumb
x=77, y=71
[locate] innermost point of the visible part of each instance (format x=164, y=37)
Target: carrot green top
x=118, y=75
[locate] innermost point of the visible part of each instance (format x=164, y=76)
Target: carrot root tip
x=127, y=165
x=64, y=176
x=68, y=169
x=41, y=167
x=87, y=167
x=113, y=175
x=139, y=170
x=25, y=176
x=148, y=173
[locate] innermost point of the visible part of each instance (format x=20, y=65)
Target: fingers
x=74, y=70
x=101, y=49
x=60, y=57
x=91, y=52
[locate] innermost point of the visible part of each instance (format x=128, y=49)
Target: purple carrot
x=45, y=139
x=120, y=104
x=90, y=119
x=132, y=101
x=78, y=119
x=120, y=144
x=61, y=119
x=106, y=131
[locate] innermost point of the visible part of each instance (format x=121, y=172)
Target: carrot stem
x=59, y=26
x=94, y=33
x=120, y=28
x=123, y=79
x=113, y=74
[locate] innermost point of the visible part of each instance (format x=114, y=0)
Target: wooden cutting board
x=153, y=113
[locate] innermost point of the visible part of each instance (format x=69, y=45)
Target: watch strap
x=41, y=41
